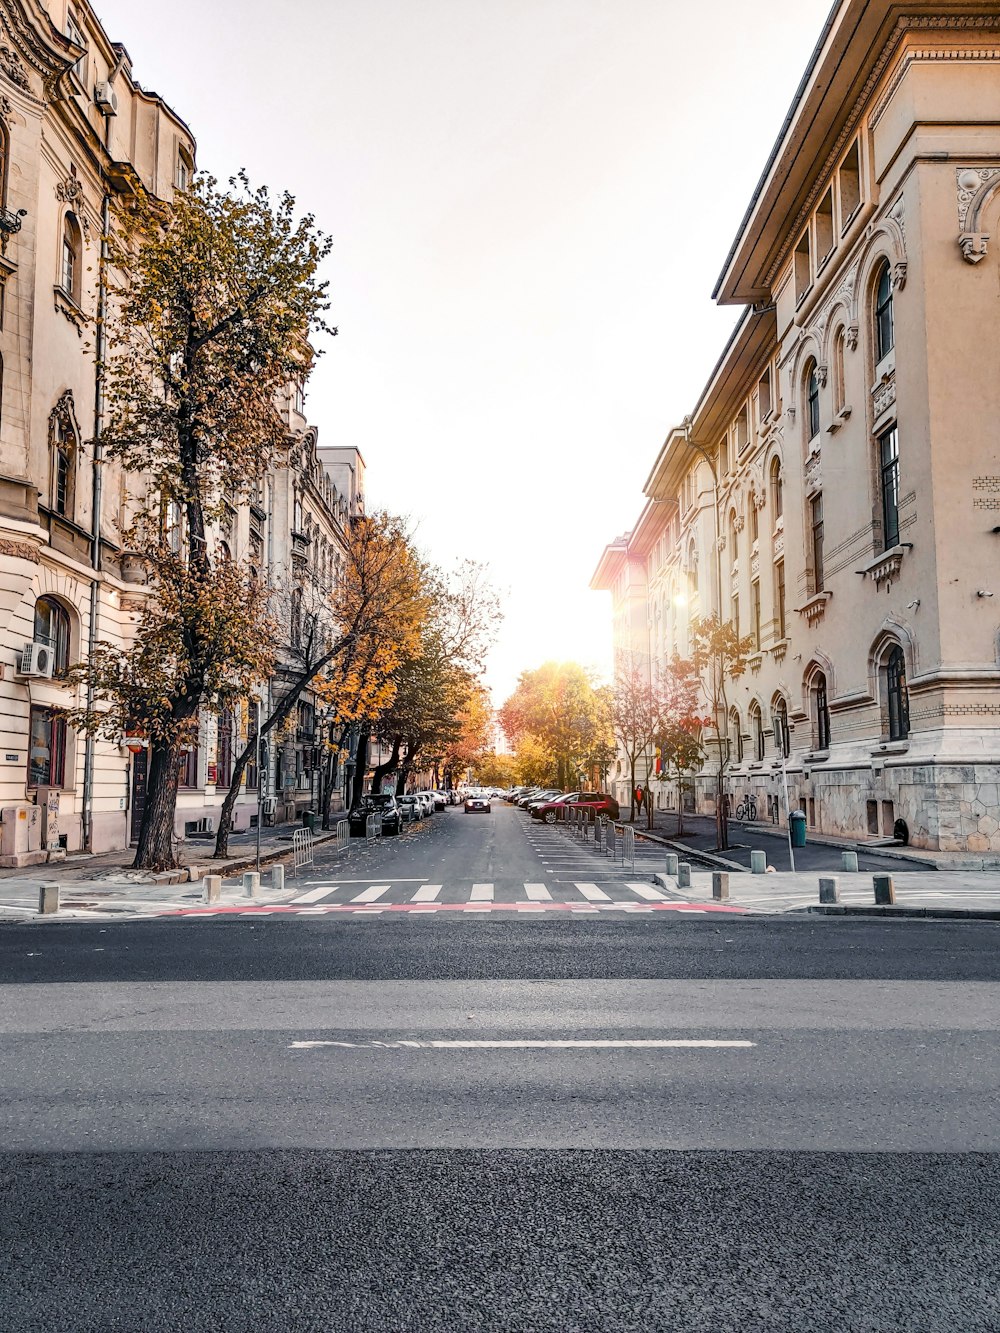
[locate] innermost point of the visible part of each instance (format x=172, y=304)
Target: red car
x=597, y=802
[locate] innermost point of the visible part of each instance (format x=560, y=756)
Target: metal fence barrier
x=373, y=828
x=302, y=848
x=628, y=847
x=343, y=834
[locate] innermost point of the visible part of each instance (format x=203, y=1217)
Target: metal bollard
x=758, y=863
x=278, y=879
x=829, y=889
x=683, y=875
x=48, y=899
x=251, y=883
x=720, y=884
x=849, y=861
x=213, y=888
x=885, y=891
x=672, y=864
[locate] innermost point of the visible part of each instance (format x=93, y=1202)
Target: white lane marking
x=600, y=1043
x=481, y=893
x=370, y=895
x=426, y=893
x=592, y=893
x=537, y=893
x=644, y=891
x=313, y=894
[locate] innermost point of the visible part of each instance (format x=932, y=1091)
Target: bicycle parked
x=747, y=809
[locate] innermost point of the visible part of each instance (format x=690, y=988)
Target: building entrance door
x=140, y=764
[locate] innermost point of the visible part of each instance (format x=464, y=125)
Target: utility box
x=21, y=834
x=797, y=820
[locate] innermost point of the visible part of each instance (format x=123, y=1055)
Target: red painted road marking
x=534, y=909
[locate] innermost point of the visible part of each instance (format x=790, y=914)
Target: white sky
x=530, y=201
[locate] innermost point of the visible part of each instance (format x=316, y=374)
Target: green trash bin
x=309, y=818
x=798, y=822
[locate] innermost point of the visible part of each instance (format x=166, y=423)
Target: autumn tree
x=678, y=736
x=494, y=770
x=558, y=706
x=435, y=683
x=475, y=729
x=635, y=714
x=213, y=300
x=534, y=765
x=719, y=655
x=364, y=624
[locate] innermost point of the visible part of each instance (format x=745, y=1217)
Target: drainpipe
x=100, y=347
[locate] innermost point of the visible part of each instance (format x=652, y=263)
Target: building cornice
x=860, y=35
x=39, y=44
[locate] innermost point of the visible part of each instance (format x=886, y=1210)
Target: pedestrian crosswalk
x=572, y=897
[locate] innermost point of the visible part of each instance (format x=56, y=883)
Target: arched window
x=736, y=737
x=839, y=386
x=757, y=731
x=884, y=332
x=52, y=628
x=812, y=402
x=71, y=270
x=779, y=715
x=777, y=490
x=296, y=618
x=897, y=700
x=821, y=711
x=4, y=159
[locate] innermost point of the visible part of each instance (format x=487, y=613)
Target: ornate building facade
x=76, y=130
x=835, y=492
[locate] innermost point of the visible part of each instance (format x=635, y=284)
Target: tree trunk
x=631, y=791
x=226, y=811
x=360, y=767
x=389, y=766
x=155, y=850
x=721, y=823
x=680, y=803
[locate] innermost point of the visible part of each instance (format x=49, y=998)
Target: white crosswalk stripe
x=426, y=893
x=481, y=893
x=647, y=892
x=371, y=895
x=320, y=892
x=537, y=893
x=592, y=893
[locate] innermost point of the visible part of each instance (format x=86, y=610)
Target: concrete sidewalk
x=822, y=850
x=945, y=893
x=106, y=885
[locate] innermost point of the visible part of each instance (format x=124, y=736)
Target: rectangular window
x=850, y=186
x=224, y=750
x=764, y=396
x=68, y=267
x=888, y=446
x=742, y=430
x=755, y=612
x=803, y=268
x=779, y=596
x=189, y=767
x=75, y=34
x=46, y=748
x=816, y=513
x=824, y=227
x=736, y=615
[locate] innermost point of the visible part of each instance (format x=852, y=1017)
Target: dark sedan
x=383, y=804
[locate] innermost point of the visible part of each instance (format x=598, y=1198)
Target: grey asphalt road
x=282, y=1124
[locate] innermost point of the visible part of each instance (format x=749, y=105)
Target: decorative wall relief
x=975, y=186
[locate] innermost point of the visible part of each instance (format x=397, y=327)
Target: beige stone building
x=836, y=488
x=76, y=129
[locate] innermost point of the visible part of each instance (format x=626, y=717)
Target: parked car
x=550, y=809
x=381, y=803
x=600, y=803
x=546, y=794
x=440, y=799
x=411, y=806
x=475, y=802
x=426, y=801
x=536, y=802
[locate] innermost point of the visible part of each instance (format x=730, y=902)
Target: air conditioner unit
x=36, y=660
x=106, y=99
